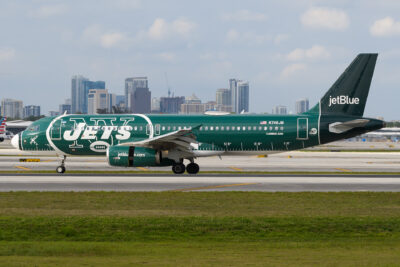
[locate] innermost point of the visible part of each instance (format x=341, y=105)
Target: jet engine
x=130, y=156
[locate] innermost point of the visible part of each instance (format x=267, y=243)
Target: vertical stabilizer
x=348, y=95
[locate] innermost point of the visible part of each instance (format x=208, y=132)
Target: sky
x=286, y=49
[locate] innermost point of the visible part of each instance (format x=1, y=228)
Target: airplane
x=139, y=140
x=2, y=128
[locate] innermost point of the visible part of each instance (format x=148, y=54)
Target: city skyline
x=198, y=48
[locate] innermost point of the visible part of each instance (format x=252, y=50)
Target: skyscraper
x=31, y=111
x=223, y=97
x=80, y=87
x=242, y=97
x=131, y=84
x=140, y=100
x=302, y=105
x=171, y=104
x=78, y=97
x=11, y=108
x=233, y=92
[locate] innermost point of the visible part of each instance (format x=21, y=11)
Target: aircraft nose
x=15, y=141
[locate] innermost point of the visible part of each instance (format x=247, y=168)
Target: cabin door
x=302, y=128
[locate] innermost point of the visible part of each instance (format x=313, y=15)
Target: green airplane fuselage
x=251, y=134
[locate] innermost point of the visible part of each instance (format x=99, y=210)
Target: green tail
x=348, y=95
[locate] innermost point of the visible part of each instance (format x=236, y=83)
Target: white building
x=100, y=99
x=12, y=108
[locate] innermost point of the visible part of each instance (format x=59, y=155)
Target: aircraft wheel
x=178, y=168
x=192, y=168
x=60, y=169
x=1, y=139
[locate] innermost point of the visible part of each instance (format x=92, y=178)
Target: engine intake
x=130, y=156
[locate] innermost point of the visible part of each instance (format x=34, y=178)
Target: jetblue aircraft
x=133, y=140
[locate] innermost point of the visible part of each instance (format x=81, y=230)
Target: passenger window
x=244, y=128
x=169, y=128
x=228, y=128
x=259, y=128
x=163, y=128
x=211, y=128
x=249, y=128
x=174, y=128
x=222, y=128
x=254, y=128
x=238, y=128
x=216, y=128
x=135, y=128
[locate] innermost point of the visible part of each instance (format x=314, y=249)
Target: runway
x=288, y=161
x=264, y=183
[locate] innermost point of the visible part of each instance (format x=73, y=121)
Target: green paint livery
x=161, y=140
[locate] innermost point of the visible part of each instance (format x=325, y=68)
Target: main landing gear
x=61, y=168
x=191, y=168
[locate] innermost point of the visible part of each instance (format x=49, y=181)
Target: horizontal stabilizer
x=341, y=127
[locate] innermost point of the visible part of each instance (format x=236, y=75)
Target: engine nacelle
x=130, y=156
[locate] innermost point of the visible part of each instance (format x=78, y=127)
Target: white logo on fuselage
x=90, y=132
x=343, y=100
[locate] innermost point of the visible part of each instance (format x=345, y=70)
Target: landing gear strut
x=178, y=168
x=61, y=168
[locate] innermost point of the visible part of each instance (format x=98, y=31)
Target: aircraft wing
x=341, y=127
x=179, y=140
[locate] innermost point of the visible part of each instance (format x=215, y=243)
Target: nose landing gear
x=61, y=168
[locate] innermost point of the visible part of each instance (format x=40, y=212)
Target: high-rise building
x=171, y=105
x=155, y=105
x=131, y=85
x=31, y=111
x=66, y=107
x=80, y=87
x=302, y=105
x=233, y=91
x=140, y=100
x=11, y=108
x=239, y=95
x=282, y=110
x=242, y=97
x=223, y=97
x=100, y=100
x=78, y=97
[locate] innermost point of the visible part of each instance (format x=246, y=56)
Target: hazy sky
x=285, y=49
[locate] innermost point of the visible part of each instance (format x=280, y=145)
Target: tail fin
x=3, y=125
x=348, y=95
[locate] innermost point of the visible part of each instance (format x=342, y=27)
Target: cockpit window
x=34, y=128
